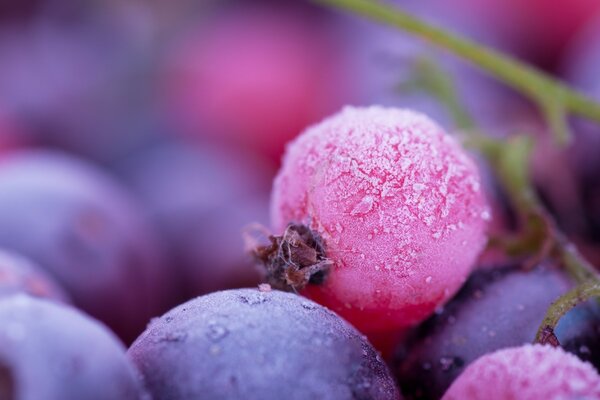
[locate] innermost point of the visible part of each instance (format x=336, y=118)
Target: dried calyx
x=294, y=259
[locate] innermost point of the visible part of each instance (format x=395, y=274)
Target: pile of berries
x=201, y=214
x=378, y=217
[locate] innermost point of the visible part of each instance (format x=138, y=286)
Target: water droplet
x=485, y=215
x=216, y=332
x=428, y=279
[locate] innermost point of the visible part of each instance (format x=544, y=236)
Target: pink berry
x=528, y=372
x=256, y=75
x=398, y=207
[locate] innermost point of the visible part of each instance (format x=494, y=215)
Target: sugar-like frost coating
x=528, y=372
x=399, y=205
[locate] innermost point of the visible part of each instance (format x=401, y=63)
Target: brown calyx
x=294, y=259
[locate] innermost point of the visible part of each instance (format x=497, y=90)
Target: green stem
x=560, y=307
x=553, y=97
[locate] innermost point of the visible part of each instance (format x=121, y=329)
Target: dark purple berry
x=54, y=352
x=250, y=344
x=19, y=275
x=85, y=230
x=201, y=199
x=497, y=308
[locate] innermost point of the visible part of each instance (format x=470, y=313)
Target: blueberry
x=251, y=344
x=497, y=308
x=85, y=230
x=54, y=352
x=201, y=199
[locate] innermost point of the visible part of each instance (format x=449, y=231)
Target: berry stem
x=554, y=98
x=561, y=306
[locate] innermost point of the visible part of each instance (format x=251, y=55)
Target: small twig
x=561, y=306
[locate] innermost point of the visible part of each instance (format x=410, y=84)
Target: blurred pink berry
x=255, y=76
x=528, y=372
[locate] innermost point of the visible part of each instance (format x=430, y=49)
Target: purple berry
x=54, y=352
x=497, y=308
x=19, y=275
x=251, y=344
x=84, y=229
x=201, y=199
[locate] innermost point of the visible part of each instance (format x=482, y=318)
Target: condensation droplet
x=216, y=332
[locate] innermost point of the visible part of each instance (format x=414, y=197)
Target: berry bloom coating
x=497, y=308
x=529, y=372
x=258, y=344
x=85, y=230
x=398, y=205
x=54, y=352
x=19, y=275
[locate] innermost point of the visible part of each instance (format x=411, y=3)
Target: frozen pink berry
x=392, y=207
x=528, y=372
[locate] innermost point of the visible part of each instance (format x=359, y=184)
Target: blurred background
x=189, y=104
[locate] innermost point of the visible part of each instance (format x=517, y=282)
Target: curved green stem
x=553, y=97
x=560, y=307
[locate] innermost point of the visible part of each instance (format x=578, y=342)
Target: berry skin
x=19, y=275
x=529, y=372
x=54, y=352
x=258, y=344
x=85, y=230
x=398, y=206
x=497, y=308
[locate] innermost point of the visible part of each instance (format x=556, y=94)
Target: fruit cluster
x=203, y=215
